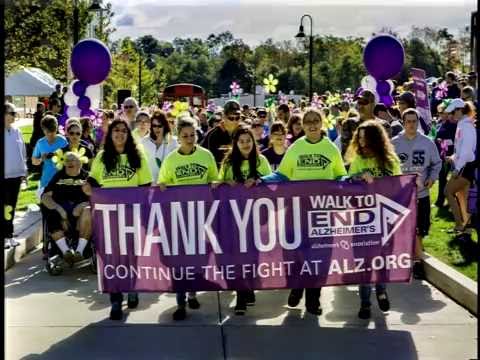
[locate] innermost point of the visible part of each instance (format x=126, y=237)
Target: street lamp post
x=301, y=34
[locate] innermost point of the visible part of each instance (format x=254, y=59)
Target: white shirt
x=465, y=143
x=153, y=153
x=15, y=154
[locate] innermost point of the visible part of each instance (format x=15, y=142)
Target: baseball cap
x=261, y=110
x=455, y=104
x=231, y=106
x=366, y=95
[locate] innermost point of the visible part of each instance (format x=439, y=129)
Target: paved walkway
x=67, y=318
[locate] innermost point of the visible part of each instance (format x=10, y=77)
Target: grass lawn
x=27, y=196
x=27, y=133
x=436, y=243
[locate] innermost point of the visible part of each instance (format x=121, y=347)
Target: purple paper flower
x=235, y=88
x=166, y=106
x=442, y=91
x=211, y=107
x=283, y=99
x=316, y=101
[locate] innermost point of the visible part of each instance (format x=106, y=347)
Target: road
x=66, y=317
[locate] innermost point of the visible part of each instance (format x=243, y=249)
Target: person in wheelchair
x=67, y=207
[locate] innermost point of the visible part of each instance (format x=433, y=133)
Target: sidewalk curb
x=453, y=283
x=29, y=239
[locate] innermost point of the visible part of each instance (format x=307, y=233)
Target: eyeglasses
x=157, y=125
x=74, y=133
x=233, y=118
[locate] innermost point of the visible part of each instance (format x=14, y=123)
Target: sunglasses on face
x=128, y=107
x=363, y=102
x=233, y=117
x=262, y=115
x=157, y=126
x=72, y=133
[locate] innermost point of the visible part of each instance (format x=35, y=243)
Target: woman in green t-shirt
x=372, y=155
x=119, y=164
x=190, y=164
x=243, y=164
x=312, y=157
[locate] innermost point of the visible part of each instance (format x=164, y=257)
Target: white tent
x=30, y=82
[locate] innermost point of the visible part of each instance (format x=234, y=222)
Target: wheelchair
x=55, y=264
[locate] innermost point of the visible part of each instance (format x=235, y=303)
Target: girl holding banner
x=371, y=154
x=245, y=165
x=190, y=164
x=312, y=157
x=113, y=167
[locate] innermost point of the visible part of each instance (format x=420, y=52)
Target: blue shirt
x=43, y=147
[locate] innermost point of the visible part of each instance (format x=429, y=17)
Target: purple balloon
x=383, y=57
x=387, y=100
x=383, y=87
x=87, y=112
x=63, y=119
x=83, y=103
x=91, y=61
x=79, y=87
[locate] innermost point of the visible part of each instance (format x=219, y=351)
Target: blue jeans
x=365, y=291
x=182, y=298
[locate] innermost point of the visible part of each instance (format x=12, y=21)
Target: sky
x=254, y=21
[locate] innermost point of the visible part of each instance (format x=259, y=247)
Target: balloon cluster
x=90, y=63
x=383, y=58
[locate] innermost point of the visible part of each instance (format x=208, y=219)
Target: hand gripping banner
x=290, y=235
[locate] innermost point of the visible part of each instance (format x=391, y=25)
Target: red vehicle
x=194, y=94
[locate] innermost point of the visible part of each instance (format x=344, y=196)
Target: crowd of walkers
x=243, y=146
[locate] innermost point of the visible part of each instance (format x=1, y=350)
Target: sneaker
x=180, y=313
x=418, y=270
x=240, y=309
x=69, y=256
x=314, y=310
x=116, y=312
x=364, y=312
x=250, y=298
x=132, y=300
x=294, y=299
x=383, y=302
x=193, y=303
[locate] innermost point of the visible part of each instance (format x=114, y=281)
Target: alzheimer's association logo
x=347, y=216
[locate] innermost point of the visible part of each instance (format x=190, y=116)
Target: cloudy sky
x=256, y=20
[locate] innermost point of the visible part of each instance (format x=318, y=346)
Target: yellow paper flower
x=81, y=154
x=59, y=159
x=179, y=108
x=270, y=84
x=7, y=212
x=329, y=122
x=333, y=99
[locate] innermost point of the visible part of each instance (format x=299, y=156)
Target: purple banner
x=288, y=235
x=421, y=94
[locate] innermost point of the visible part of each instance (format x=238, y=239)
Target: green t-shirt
x=193, y=169
x=263, y=168
x=306, y=161
x=361, y=164
x=123, y=175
